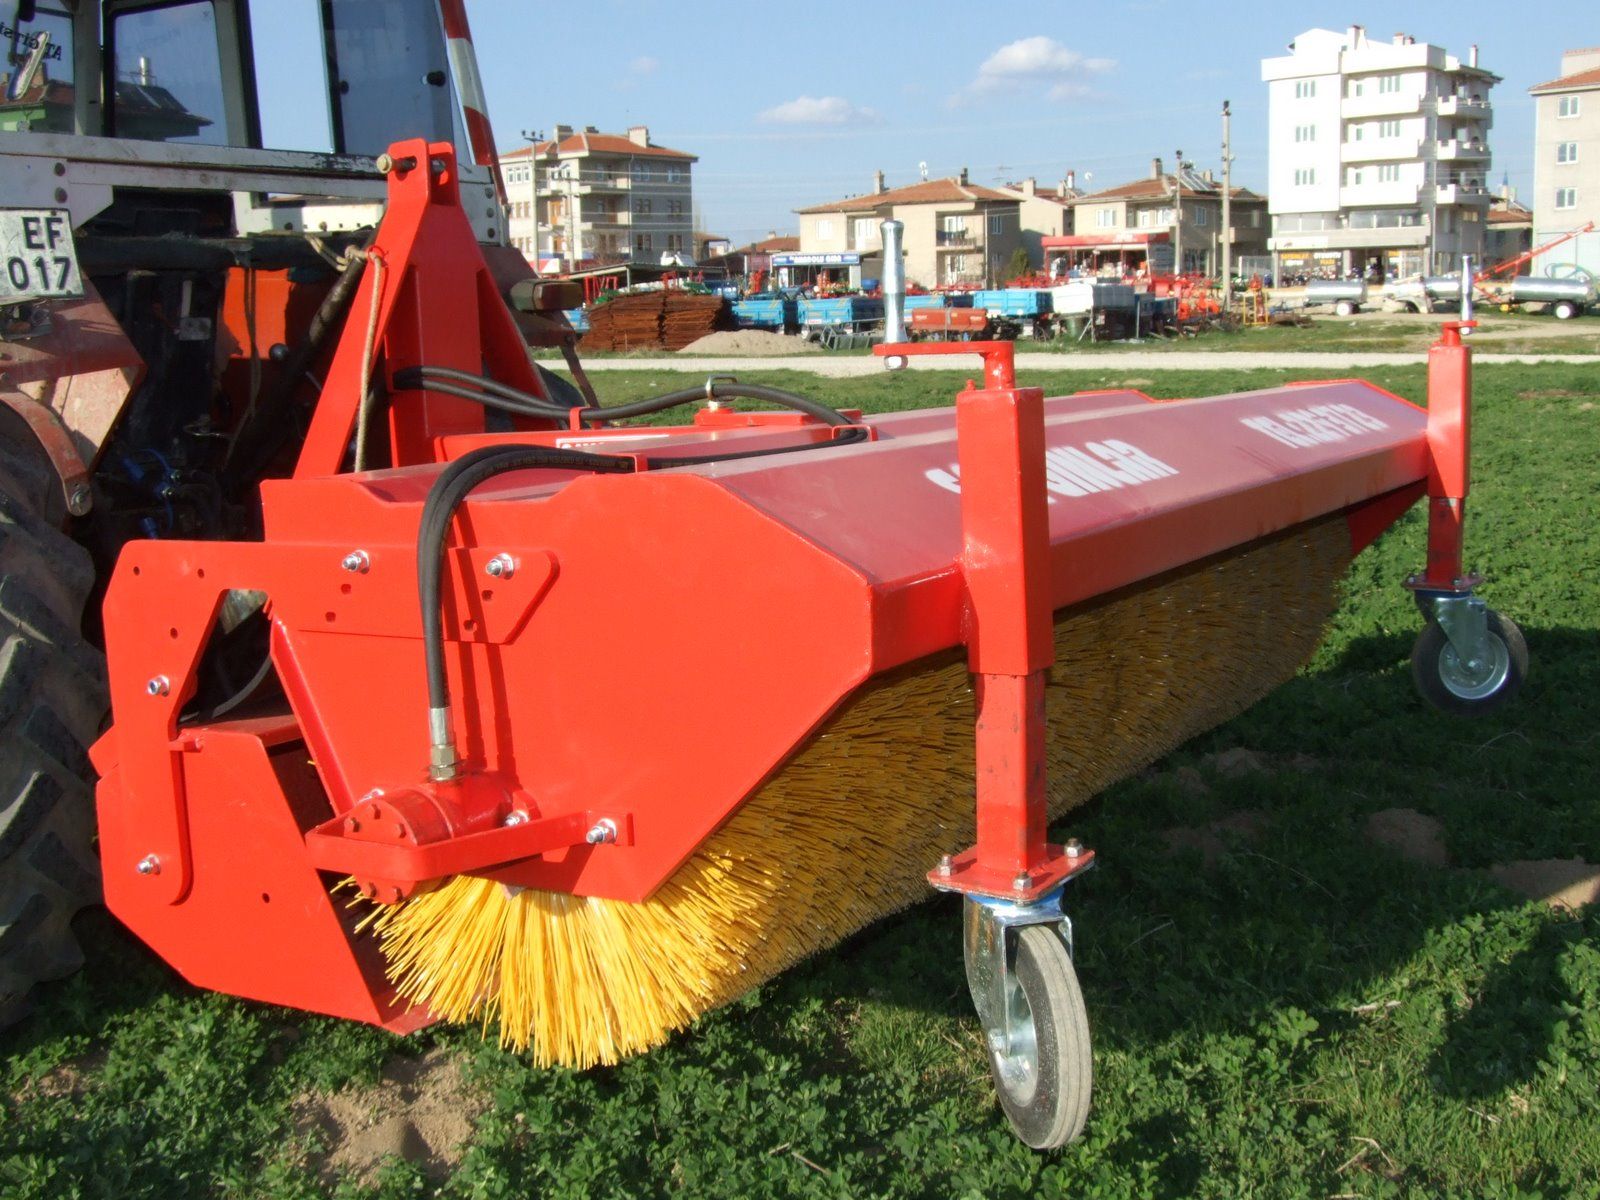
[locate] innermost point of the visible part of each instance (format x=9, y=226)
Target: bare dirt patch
x=1213, y=840
x=421, y=1110
x=68, y=1080
x=752, y=343
x=1414, y=836
x=1559, y=882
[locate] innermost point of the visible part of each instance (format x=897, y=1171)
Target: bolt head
x=356, y=560
x=946, y=864
x=1074, y=848
x=515, y=817
x=385, y=163
x=501, y=566
x=601, y=832
x=160, y=685
x=1020, y=883
x=149, y=865
x=81, y=500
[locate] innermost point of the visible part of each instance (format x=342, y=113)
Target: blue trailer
x=777, y=313
x=841, y=321
x=578, y=318
x=1017, y=312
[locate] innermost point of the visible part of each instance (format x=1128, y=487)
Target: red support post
x=1010, y=635
x=1449, y=455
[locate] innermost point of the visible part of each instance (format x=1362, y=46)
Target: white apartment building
x=1566, y=161
x=1378, y=155
x=592, y=198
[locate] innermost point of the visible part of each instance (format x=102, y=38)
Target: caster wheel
x=1045, y=1074
x=1465, y=688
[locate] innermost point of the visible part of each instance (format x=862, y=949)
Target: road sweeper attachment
x=604, y=725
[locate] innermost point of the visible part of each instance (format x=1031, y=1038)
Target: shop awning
x=1103, y=241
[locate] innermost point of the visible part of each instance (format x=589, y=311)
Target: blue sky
x=795, y=103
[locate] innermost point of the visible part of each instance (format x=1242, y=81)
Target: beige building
x=956, y=232
x=1566, y=160
x=1508, y=231
x=1142, y=225
x=593, y=198
x=1042, y=212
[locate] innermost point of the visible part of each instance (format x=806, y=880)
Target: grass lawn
x=1301, y=1013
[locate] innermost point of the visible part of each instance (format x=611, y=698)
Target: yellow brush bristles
x=845, y=832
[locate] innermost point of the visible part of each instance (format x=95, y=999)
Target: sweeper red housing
x=629, y=655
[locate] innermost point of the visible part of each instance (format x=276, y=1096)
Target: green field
x=1281, y=1007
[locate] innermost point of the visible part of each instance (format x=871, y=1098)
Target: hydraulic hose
x=444, y=498
x=475, y=387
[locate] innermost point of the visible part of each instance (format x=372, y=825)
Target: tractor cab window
x=37, y=42
x=167, y=67
x=388, y=74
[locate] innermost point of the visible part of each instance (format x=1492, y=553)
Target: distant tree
x=1017, y=267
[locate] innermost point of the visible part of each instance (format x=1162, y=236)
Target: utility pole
x=1177, y=215
x=1227, y=210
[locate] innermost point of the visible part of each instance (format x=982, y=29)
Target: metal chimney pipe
x=894, y=290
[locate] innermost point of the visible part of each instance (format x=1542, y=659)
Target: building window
x=675, y=174
x=824, y=228
x=1388, y=129
x=953, y=224
x=674, y=241
x=997, y=224
x=1255, y=218
x=1567, y=106
x=1388, y=84
x=1357, y=86
x=956, y=265
x=642, y=171
x=643, y=207
x=1566, y=197
x=1106, y=218
x=862, y=229
x=1355, y=177
x=1305, y=89
x=1389, y=173
x=1357, y=132
x=1567, y=152
x=1305, y=133
x=641, y=242
x=1305, y=176
x=675, y=208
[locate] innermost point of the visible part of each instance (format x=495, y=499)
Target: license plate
x=37, y=258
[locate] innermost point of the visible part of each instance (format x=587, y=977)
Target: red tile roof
x=932, y=191
x=1156, y=189
x=1582, y=79
x=1509, y=216
x=597, y=143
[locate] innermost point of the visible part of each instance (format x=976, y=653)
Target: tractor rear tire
x=52, y=700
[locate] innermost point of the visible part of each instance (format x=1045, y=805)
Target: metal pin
x=603, y=830
x=946, y=864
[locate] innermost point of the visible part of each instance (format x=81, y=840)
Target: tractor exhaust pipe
x=894, y=291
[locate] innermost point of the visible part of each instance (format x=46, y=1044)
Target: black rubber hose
x=436, y=377
x=487, y=399
x=444, y=498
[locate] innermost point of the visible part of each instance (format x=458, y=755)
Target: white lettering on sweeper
x=1069, y=471
x=1317, y=425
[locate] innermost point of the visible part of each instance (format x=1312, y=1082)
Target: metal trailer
x=1435, y=293
x=840, y=322
x=1565, y=298
x=1346, y=295
x=780, y=314
x=1017, y=312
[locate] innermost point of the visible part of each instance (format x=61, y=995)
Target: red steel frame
x=666, y=639
x=1449, y=461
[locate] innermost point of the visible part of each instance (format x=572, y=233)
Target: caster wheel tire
x=1045, y=1076
x=1470, y=689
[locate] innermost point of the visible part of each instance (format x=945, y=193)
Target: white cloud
x=644, y=65
x=1038, y=64
x=818, y=110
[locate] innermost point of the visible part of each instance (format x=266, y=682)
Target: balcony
x=1462, y=150
x=1461, y=193
x=954, y=239
x=1379, y=149
x=606, y=220
x=1467, y=107
x=1374, y=103
x=1396, y=194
